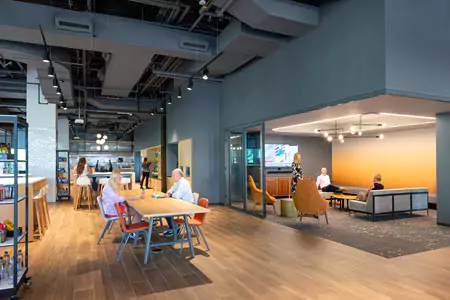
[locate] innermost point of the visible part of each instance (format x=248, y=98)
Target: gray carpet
x=386, y=237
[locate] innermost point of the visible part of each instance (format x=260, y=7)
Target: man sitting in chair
x=324, y=184
x=181, y=189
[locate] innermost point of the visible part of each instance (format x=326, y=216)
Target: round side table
x=288, y=209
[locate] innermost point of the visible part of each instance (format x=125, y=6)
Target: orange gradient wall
x=404, y=159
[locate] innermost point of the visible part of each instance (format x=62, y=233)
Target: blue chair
x=109, y=220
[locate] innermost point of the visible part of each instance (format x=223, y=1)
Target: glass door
x=237, y=193
x=246, y=172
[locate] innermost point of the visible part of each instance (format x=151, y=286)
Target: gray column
x=42, y=119
x=63, y=134
x=443, y=168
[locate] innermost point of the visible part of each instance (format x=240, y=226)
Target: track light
x=169, y=101
x=61, y=99
x=162, y=107
x=205, y=74
x=58, y=91
x=179, y=94
x=50, y=72
x=152, y=113
x=55, y=82
x=46, y=58
x=190, y=85
x=64, y=106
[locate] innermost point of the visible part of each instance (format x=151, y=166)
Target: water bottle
x=154, y=192
x=2, y=269
x=143, y=193
x=11, y=270
x=20, y=263
x=6, y=260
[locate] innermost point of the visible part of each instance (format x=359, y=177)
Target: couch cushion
x=325, y=195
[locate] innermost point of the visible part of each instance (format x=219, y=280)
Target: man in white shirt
x=323, y=182
x=181, y=189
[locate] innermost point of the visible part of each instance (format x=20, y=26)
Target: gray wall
x=418, y=47
x=196, y=116
x=316, y=152
x=341, y=60
x=148, y=134
x=443, y=168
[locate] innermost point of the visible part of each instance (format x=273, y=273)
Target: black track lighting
x=46, y=58
x=61, y=100
x=179, y=93
x=205, y=74
x=58, y=91
x=64, y=106
x=190, y=85
x=50, y=72
x=162, y=106
x=152, y=113
x=169, y=101
x=55, y=82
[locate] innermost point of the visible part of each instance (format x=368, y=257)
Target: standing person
x=181, y=189
x=145, y=171
x=297, y=171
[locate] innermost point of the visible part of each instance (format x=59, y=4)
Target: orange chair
x=257, y=195
x=128, y=229
x=195, y=224
x=308, y=201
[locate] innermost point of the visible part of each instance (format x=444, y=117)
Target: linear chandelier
x=338, y=133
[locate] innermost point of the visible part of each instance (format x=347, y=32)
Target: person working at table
x=181, y=189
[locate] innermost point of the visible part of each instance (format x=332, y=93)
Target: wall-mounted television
x=279, y=155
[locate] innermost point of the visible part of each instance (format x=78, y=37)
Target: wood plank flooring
x=250, y=258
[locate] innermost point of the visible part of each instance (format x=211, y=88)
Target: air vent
x=81, y=26
x=194, y=45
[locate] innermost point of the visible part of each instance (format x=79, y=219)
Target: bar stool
x=124, y=183
x=39, y=215
x=45, y=205
x=101, y=184
x=81, y=188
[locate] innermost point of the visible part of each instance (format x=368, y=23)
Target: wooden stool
x=101, y=184
x=80, y=192
x=125, y=183
x=45, y=206
x=39, y=216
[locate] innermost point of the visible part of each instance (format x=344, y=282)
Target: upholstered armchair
x=308, y=201
x=257, y=195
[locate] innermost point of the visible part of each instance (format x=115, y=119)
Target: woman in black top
x=297, y=171
x=145, y=169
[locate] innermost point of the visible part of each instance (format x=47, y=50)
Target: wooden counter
x=7, y=210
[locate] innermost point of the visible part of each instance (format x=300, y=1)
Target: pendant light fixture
x=58, y=91
x=190, y=85
x=46, y=58
x=179, y=93
x=205, y=74
x=55, y=82
x=50, y=71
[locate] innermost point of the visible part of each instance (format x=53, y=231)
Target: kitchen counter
x=7, y=210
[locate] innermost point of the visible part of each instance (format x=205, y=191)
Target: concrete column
x=42, y=141
x=63, y=134
x=443, y=168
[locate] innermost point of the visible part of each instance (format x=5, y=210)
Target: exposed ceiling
x=127, y=55
x=372, y=116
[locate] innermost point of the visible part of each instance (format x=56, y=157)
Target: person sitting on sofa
x=376, y=185
x=323, y=182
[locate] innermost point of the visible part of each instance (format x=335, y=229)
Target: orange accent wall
x=404, y=159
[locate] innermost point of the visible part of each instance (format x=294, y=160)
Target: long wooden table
x=152, y=208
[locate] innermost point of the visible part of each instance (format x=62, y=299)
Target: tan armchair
x=257, y=195
x=308, y=201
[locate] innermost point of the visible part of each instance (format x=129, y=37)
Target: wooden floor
x=250, y=258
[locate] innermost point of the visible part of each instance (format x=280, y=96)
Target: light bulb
x=329, y=138
x=99, y=148
x=342, y=141
x=98, y=142
x=99, y=136
x=341, y=137
x=106, y=147
x=105, y=137
x=316, y=130
x=381, y=136
x=102, y=142
x=360, y=133
x=352, y=130
x=325, y=134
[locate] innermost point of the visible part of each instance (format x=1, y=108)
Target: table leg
x=188, y=232
x=149, y=238
x=175, y=231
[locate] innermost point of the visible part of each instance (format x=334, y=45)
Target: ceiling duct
x=73, y=25
x=278, y=16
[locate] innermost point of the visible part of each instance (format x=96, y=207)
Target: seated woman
x=376, y=185
x=110, y=195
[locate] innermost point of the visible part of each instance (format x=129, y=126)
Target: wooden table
x=341, y=198
x=152, y=208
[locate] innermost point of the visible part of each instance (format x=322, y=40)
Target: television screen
x=279, y=155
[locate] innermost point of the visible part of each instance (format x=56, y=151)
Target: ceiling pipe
x=225, y=7
x=185, y=76
x=202, y=10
